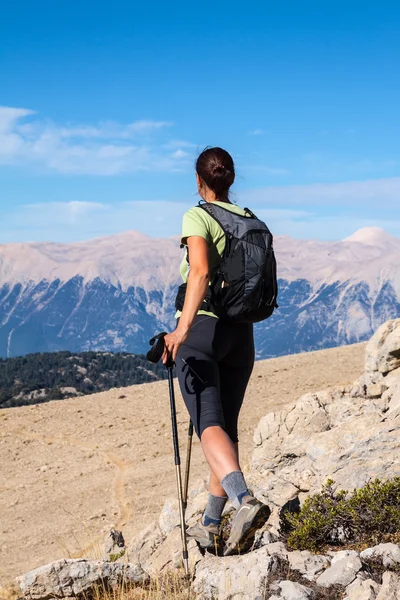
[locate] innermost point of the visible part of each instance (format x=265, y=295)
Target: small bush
x=367, y=516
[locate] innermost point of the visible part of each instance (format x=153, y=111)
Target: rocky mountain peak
x=371, y=236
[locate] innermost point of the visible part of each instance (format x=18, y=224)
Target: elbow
x=200, y=275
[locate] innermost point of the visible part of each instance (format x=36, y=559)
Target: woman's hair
x=215, y=167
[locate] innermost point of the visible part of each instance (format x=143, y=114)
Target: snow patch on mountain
x=115, y=292
x=131, y=258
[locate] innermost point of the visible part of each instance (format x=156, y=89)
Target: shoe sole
x=257, y=517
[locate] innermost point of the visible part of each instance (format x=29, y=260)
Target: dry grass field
x=72, y=469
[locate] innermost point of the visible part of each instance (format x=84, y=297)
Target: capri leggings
x=213, y=368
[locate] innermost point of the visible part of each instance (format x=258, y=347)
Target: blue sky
x=105, y=106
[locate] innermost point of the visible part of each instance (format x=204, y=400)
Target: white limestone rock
x=389, y=554
x=74, y=576
x=145, y=543
x=290, y=590
x=309, y=565
x=390, y=589
x=362, y=589
x=383, y=350
x=234, y=577
x=343, y=570
x=169, y=516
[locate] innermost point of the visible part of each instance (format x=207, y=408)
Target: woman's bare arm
x=197, y=285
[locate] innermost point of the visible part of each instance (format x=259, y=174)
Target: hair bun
x=215, y=168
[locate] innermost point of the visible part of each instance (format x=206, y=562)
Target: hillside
x=38, y=378
x=71, y=470
x=114, y=293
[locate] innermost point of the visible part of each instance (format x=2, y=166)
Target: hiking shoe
x=250, y=516
x=206, y=535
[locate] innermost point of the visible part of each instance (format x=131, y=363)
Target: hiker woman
x=214, y=359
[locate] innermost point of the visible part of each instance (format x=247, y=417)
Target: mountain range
x=113, y=293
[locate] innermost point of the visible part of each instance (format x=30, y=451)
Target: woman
x=214, y=360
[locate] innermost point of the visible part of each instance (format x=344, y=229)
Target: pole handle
x=155, y=353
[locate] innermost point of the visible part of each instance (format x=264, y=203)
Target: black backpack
x=244, y=288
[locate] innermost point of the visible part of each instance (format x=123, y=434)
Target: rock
x=196, y=507
x=71, y=577
x=290, y=590
x=362, y=589
x=309, y=565
x=169, y=517
x=234, y=577
x=265, y=536
x=394, y=403
x=382, y=353
x=194, y=555
x=390, y=589
x=376, y=390
x=168, y=554
x=349, y=440
x=389, y=554
x=389, y=357
x=145, y=543
x=114, y=547
x=343, y=570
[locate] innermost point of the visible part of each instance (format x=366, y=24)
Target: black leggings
x=213, y=367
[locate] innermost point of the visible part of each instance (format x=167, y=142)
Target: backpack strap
x=250, y=213
x=208, y=206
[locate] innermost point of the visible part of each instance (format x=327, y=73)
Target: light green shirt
x=197, y=221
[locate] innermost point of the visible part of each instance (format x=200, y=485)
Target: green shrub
x=367, y=516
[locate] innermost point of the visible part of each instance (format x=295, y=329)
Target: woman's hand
x=172, y=342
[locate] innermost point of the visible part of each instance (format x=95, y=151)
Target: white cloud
x=257, y=132
x=107, y=148
x=373, y=193
x=328, y=227
x=78, y=220
x=180, y=154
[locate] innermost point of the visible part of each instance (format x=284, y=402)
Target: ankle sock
x=235, y=486
x=214, y=508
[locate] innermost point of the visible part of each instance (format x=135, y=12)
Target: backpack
x=244, y=288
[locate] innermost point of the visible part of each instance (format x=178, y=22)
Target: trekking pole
x=154, y=355
x=185, y=555
x=190, y=439
x=187, y=468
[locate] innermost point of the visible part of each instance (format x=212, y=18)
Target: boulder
x=324, y=436
x=168, y=555
x=73, y=577
x=388, y=554
x=390, y=589
x=289, y=590
x=145, y=543
x=234, y=577
x=343, y=570
x=382, y=353
x=309, y=565
x=362, y=589
x=169, y=516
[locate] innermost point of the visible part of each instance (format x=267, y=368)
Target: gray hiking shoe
x=206, y=535
x=250, y=516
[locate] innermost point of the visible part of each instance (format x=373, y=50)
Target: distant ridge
x=112, y=293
